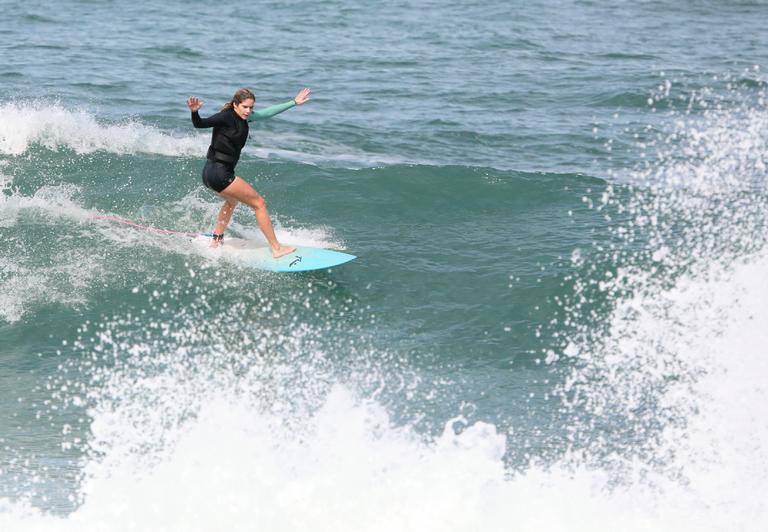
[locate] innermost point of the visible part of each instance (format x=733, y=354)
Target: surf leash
x=141, y=227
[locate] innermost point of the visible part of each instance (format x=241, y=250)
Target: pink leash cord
x=143, y=227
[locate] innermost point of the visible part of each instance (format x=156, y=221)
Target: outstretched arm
x=268, y=112
x=194, y=105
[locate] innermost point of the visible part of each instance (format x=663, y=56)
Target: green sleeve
x=269, y=112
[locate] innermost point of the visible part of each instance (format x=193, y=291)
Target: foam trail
x=29, y=278
x=24, y=279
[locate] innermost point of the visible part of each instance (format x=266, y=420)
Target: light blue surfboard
x=258, y=255
x=251, y=253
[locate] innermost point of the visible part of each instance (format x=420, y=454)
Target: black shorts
x=217, y=176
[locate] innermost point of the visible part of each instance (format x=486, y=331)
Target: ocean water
x=555, y=321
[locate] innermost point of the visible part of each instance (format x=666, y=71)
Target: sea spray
x=658, y=392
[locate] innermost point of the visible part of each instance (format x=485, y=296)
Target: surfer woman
x=230, y=131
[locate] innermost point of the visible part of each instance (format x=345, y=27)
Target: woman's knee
x=258, y=203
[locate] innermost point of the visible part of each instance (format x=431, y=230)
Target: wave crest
x=54, y=127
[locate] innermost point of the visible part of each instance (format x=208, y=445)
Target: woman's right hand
x=302, y=97
x=194, y=104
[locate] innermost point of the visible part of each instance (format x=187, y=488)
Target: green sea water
x=552, y=323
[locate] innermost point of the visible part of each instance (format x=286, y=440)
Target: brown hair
x=240, y=96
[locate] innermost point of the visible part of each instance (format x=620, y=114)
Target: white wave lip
x=55, y=127
x=52, y=126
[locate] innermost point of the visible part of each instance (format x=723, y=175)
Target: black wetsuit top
x=229, y=135
x=230, y=132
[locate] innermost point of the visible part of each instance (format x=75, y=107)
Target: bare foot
x=282, y=250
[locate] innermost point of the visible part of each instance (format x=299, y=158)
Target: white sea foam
x=50, y=125
x=668, y=384
x=313, y=236
x=688, y=359
x=57, y=201
x=24, y=280
x=239, y=462
x=54, y=127
x=236, y=464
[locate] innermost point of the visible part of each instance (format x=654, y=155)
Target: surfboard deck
x=257, y=255
x=251, y=253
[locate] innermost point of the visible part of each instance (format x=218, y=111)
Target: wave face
x=553, y=323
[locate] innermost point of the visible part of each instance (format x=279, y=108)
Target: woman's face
x=244, y=108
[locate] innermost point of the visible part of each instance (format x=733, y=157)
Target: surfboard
x=257, y=255
x=251, y=253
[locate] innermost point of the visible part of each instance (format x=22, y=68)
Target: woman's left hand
x=302, y=97
x=194, y=104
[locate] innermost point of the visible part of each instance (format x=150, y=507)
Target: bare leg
x=240, y=191
x=225, y=215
